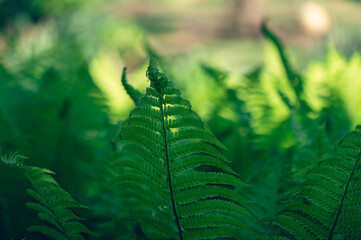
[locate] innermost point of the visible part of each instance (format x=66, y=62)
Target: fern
x=327, y=205
x=293, y=77
x=54, y=204
x=133, y=93
x=297, y=142
x=174, y=169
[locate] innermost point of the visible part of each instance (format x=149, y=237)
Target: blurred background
x=107, y=35
x=61, y=99
x=110, y=34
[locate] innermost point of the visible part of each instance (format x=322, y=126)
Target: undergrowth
x=165, y=174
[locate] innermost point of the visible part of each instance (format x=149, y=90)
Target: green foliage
x=54, y=204
x=236, y=134
x=272, y=181
x=55, y=114
x=327, y=204
x=294, y=78
x=166, y=162
x=175, y=182
x=61, y=100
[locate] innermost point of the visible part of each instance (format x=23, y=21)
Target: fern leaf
x=328, y=204
x=54, y=205
x=173, y=168
x=294, y=78
x=133, y=93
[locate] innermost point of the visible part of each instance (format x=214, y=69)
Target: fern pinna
x=54, y=205
x=174, y=170
x=328, y=204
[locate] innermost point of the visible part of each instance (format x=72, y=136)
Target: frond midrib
x=168, y=165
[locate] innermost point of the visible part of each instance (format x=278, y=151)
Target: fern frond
x=175, y=171
x=133, y=93
x=328, y=204
x=294, y=78
x=54, y=203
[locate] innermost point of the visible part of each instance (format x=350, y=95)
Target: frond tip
x=158, y=80
x=132, y=92
x=13, y=159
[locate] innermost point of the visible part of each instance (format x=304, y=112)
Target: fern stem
x=168, y=168
x=343, y=197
